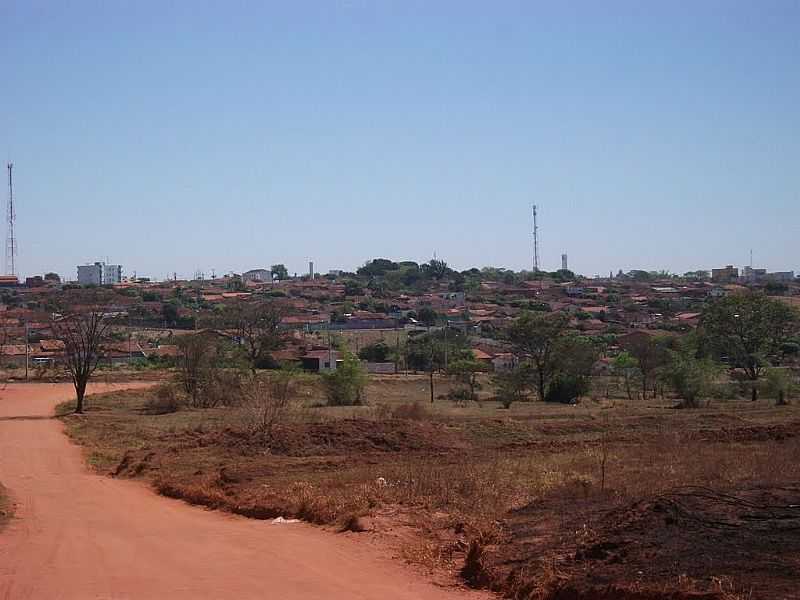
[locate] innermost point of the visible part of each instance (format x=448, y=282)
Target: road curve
x=77, y=535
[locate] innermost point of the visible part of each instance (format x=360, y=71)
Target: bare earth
x=83, y=536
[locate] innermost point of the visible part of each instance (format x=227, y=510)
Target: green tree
x=279, y=272
x=345, y=385
x=535, y=338
x=352, y=288
x=377, y=267
x=169, y=311
x=436, y=269
x=377, y=352
x=650, y=354
x=780, y=385
x=427, y=316
x=627, y=367
x=747, y=331
x=511, y=385
x=466, y=371
x=692, y=377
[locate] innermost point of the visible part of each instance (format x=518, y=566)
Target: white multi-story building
x=99, y=274
x=257, y=275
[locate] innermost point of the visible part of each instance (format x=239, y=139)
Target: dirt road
x=77, y=535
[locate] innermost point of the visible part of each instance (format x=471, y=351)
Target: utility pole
x=27, y=348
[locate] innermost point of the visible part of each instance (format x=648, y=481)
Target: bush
x=460, y=396
x=780, y=385
x=345, y=385
x=266, y=402
x=378, y=352
x=221, y=388
x=411, y=412
x=167, y=398
x=567, y=389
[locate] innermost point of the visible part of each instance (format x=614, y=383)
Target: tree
x=377, y=267
x=436, y=269
x=352, y=288
x=344, y=386
x=690, y=375
x=512, y=384
x=266, y=402
x=626, y=366
x=427, y=316
x=199, y=360
x=257, y=326
x=279, y=272
x=169, y=311
x=535, y=337
x=433, y=351
x=748, y=331
x=466, y=371
x=377, y=352
x=780, y=385
x=574, y=358
x=83, y=334
x=650, y=354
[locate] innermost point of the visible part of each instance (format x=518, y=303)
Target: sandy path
x=77, y=535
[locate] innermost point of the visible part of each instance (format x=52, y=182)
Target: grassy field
x=535, y=501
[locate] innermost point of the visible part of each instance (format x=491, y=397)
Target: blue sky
x=176, y=136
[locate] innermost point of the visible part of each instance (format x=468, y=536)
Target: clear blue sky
x=174, y=136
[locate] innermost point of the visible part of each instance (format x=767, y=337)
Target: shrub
x=221, y=388
x=412, y=412
x=378, y=352
x=345, y=385
x=266, y=402
x=780, y=385
x=167, y=398
x=692, y=378
x=567, y=389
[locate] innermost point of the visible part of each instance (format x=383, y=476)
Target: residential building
x=112, y=274
x=320, y=361
x=780, y=276
x=729, y=273
x=257, y=275
x=751, y=275
x=99, y=274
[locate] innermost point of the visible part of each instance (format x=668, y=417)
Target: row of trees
x=745, y=334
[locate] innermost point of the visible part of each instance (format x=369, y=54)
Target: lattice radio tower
x=11, y=241
x=535, y=242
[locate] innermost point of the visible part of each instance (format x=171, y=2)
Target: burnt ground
x=689, y=542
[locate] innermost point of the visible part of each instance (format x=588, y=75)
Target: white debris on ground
x=281, y=521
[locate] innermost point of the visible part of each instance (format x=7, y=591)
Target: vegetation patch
x=6, y=507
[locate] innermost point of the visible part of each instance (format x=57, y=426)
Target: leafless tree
x=258, y=327
x=267, y=402
x=83, y=333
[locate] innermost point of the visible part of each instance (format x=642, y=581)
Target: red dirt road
x=76, y=535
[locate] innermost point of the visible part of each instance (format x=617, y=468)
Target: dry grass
x=461, y=471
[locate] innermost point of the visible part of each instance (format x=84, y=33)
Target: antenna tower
x=535, y=242
x=11, y=241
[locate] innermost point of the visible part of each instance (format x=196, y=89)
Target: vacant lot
x=605, y=499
